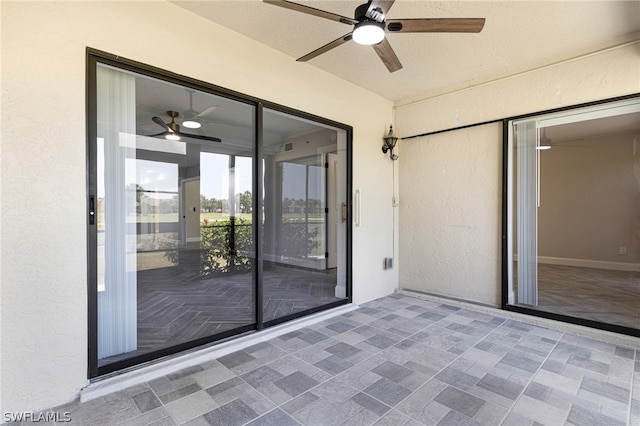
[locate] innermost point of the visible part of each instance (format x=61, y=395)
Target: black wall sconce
x=390, y=143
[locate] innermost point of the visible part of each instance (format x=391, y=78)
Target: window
x=572, y=250
x=208, y=213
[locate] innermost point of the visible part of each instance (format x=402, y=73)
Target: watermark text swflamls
x=29, y=416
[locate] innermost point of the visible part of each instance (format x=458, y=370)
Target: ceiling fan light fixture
x=368, y=32
x=191, y=124
x=172, y=137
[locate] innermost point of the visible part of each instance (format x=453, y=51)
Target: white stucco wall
x=450, y=183
x=43, y=285
x=450, y=213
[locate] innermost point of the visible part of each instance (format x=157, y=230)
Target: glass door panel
x=304, y=177
x=574, y=246
x=175, y=251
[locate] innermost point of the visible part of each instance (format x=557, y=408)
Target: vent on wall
x=288, y=146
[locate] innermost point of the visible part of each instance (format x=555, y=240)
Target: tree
x=140, y=195
x=245, y=201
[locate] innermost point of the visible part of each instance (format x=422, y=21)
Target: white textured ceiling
x=518, y=36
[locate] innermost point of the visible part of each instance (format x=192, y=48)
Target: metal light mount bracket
x=390, y=143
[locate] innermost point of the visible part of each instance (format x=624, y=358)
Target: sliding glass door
x=175, y=251
x=209, y=215
x=304, y=232
x=573, y=209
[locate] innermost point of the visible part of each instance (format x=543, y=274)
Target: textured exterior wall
x=43, y=242
x=450, y=183
x=610, y=73
x=450, y=210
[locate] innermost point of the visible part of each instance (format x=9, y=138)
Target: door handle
x=92, y=211
x=344, y=212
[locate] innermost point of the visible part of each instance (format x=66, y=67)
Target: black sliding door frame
x=507, y=232
x=95, y=57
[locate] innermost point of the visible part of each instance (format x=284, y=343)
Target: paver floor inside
x=398, y=360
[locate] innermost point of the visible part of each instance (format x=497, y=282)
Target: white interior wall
x=43, y=286
x=436, y=170
x=590, y=202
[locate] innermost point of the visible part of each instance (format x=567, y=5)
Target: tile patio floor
x=398, y=360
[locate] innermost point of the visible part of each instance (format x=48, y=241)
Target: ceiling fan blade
x=201, y=137
x=335, y=43
x=206, y=111
x=186, y=135
x=311, y=11
x=436, y=25
x=388, y=56
x=378, y=9
x=162, y=124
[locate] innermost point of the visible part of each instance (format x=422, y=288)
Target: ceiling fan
x=370, y=25
x=546, y=142
x=192, y=118
x=172, y=130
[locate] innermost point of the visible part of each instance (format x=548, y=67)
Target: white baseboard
x=586, y=263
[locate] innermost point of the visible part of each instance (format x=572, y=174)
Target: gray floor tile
x=392, y=371
x=146, y=401
x=581, y=417
x=333, y=365
x=588, y=364
x=388, y=392
x=501, y=386
x=454, y=418
x=300, y=402
x=605, y=389
x=521, y=362
x=624, y=352
x=370, y=404
x=276, y=417
x=460, y=401
x=236, y=359
x=457, y=378
x=396, y=418
x=180, y=393
x=296, y=383
x=380, y=342
x=396, y=361
x=234, y=413
x=538, y=391
x=342, y=350
x=261, y=376
x=191, y=406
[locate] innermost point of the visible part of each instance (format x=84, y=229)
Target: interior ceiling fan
x=546, y=142
x=192, y=118
x=370, y=25
x=172, y=130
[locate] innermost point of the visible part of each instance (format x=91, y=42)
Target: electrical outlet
x=622, y=250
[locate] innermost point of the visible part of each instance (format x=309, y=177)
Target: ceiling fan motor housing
x=361, y=14
x=173, y=125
